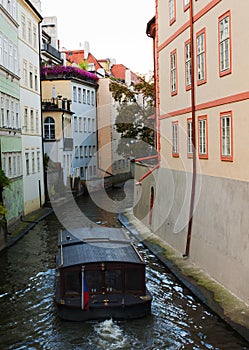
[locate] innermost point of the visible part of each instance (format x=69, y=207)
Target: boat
x=100, y=275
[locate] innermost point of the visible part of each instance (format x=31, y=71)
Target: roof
x=93, y=245
x=118, y=71
x=77, y=56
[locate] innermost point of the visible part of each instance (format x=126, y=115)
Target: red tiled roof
x=118, y=71
x=77, y=56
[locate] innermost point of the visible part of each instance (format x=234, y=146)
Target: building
x=196, y=200
x=10, y=119
x=112, y=167
x=30, y=105
x=79, y=87
x=58, y=145
x=50, y=53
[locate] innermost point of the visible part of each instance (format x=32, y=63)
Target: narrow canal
x=28, y=317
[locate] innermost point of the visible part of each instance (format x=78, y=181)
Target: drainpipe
x=145, y=158
x=192, y=199
x=139, y=182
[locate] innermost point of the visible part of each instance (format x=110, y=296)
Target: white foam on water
x=110, y=335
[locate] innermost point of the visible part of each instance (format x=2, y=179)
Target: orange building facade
x=200, y=191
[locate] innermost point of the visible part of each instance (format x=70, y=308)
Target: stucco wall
x=220, y=235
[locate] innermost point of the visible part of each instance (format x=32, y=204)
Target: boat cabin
x=100, y=274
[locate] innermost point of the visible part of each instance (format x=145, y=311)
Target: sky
x=114, y=29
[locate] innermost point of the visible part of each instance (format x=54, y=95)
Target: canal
x=28, y=318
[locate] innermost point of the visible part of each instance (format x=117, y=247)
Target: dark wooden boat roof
x=96, y=244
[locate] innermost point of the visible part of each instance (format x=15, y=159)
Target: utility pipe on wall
x=192, y=199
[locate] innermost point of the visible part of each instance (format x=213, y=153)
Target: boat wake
x=111, y=336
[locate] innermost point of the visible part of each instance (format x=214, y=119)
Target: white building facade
x=30, y=105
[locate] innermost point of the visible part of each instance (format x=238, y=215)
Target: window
x=36, y=79
x=93, y=125
x=49, y=128
x=75, y=123
x=29, y=32
x=80, y=124
x=173, y=72
x=84, y=95
x=2, y=112
x=15, y=60
x=79, y=95
x=25, y=126
x=88, y=97
x=225, y=44
x=186, y=4
x=189, y=139
x=5, y=52
x=226, y=136
x=203, y=138
x=175, y=140
x=9, y=166
x=32, y=121
x=37, y=121
x=17, y=116
x=23, y=27
x=38, y=161
x=1, y=48
x=187, y=65
x=92, y=96
x=74, y=94
x=34, y=37
x=201, y=56
x=11, y=59
x=33, y=162
x=172, y=11
x=27, y=163
x=76, y=151
x=25, y=73
x=31, y=76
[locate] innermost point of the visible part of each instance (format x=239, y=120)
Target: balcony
x=51, y=50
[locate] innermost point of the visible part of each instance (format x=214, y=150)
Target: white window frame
x=188, y=73
x=226, y=136
x=173, y=72
x=200, y=43
x=224, y=43
x=175, y=138
x=203, y=137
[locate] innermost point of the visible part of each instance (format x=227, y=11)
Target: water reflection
x=28, y=318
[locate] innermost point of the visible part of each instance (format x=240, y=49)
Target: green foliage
x=4, y=180
x=132, y=122
x=83, y=65
x=121, y=93
x=4, y=183
x=3, y=212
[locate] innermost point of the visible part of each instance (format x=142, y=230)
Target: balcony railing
x=51, y=50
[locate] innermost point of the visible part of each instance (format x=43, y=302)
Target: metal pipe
x=192, y=199
x=145, y=158
x=147, y=174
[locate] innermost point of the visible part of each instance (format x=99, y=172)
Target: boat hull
x=117, y=311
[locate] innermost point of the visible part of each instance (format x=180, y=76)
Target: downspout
x=192, y=199
x=139, y=182
x=145, y=158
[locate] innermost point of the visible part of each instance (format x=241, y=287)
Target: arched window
x=49, y=128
